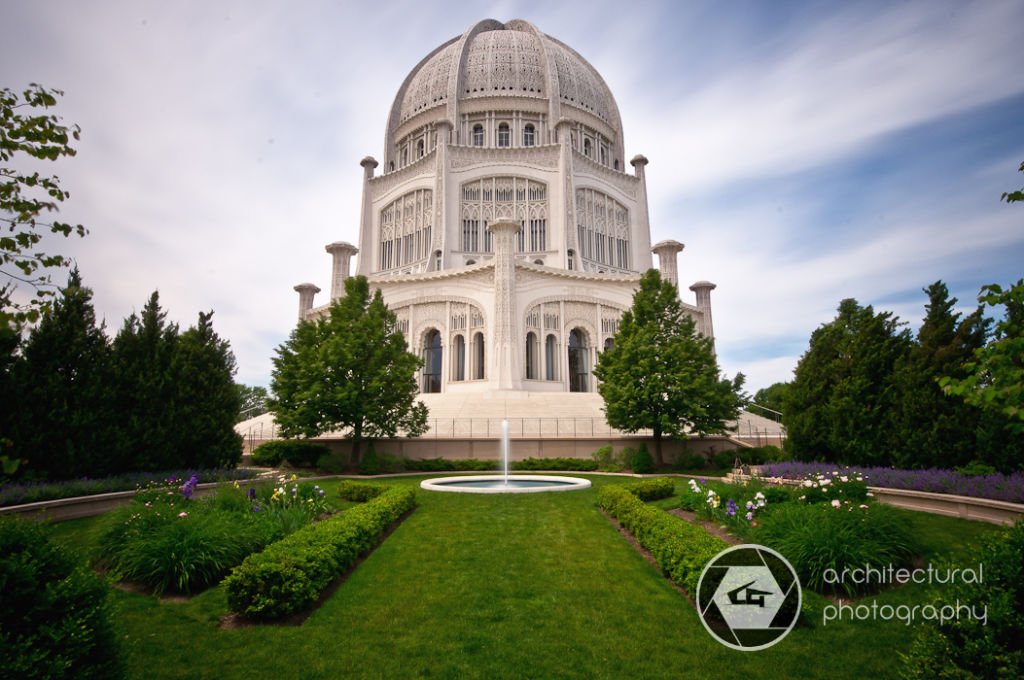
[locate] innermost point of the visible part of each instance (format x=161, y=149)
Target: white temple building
x=505, y=225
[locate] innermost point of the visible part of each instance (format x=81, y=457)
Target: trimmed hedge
x=289, y=575
x=297, y=452
x=360, y=492
x=681, y=549
x=566, y=464
x=652, y=489
x=55, y=619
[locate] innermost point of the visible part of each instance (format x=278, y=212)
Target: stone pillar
x=666, y=252
x=703, y=290
x=504, y=361
x=341, y=252
x=641, y=230
x=565, y=220
x=366, y=232
x=306, y=292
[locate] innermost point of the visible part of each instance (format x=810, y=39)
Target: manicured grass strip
x=681, y=549
x=289, y=575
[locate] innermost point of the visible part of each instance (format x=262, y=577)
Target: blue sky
x=804, y=152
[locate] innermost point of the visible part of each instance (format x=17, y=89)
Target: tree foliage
x=662, y=375
x=252, y=401
x=843, y=390
x=153, y=399
x=773, y=396
x=1014, y=196
x=29, y=134
x=349, y=370
x=994, y=379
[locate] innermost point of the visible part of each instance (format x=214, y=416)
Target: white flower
x=836, y=503
x=844, y=478
x=760, y=504
x=808, y=482
x=759, y=496
x=750, y=516
x=869, y=494
x=825, y=482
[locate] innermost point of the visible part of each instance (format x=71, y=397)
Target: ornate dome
x=511, y=60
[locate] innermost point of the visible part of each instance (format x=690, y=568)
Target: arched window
x=478, y=356
x=570, y=254
x=391, y=166
x=550, y=358
x=531, y=356
x=503, y=135
x=604, y=155
x=577, y=361
x=587, y=147
x=529, y=135
x=478, y=135
x=432, y=362
x=459, y=367
x=609, y=343
x=437, y=260
x=419, y=149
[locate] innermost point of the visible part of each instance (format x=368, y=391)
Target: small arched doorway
x=578, y=361
x=432, y=362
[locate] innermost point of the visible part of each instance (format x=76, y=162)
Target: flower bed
x=289, y=575
x=681, y=549
x=18, y=493
x=998, y=487
x=170, y=542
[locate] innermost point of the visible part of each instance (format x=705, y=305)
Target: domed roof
x=513, y=59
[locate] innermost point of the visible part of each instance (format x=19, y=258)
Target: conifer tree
x=62, y=383
x=206, y=400
x=661, y=374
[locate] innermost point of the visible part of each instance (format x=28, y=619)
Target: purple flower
x=251, y=493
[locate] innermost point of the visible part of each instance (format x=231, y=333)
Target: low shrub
x=54, y=618
x=822, y=540
x=297, y=452
x=369, y=464
x=289, y=575
x=360, y=492
x=609, y=461
x=966, y=647
x=681, y=549
x=444, y=465
x=563, y=464
x=641, y=463
x=723, y=460
x=690, y=461
x=652, y=489
x=977, y=469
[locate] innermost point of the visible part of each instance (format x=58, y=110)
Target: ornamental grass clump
x=170, y=541
x=824, y=541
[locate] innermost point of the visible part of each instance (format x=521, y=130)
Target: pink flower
x=836, y=503
x=182, y=514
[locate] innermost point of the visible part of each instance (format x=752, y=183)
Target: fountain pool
x=503, y=483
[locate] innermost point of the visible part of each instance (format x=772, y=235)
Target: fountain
x=502, y=483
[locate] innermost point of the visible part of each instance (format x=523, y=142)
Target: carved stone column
x=703, y=290
x=306, y=292
x=342, y=253
x=504, y=363
x=666, y=252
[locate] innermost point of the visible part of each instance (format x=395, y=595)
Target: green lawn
x=507, y=586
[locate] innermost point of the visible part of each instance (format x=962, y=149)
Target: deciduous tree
x=349, y=370
x=661, y=374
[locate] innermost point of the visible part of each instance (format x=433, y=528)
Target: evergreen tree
x=932, y=429
x=143, y=354
x=841, y=399
x=660, y=374
x=62, y=381
x=349, y=370
x=206, y=400
x=773, y=396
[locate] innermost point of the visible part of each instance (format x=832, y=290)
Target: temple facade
x=504, y=225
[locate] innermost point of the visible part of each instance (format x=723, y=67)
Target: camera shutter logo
x=748, y=597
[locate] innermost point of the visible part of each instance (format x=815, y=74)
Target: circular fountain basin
x=496, y=484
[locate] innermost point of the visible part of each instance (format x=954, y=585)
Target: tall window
x=503, y=135
x=419, y=149
x=550, y=358
x=478, y=135
x=531, y=356
x=577, y=361
x=478, y=356
x=529, y=133
x=459, y=369
x=491, y=198
x=432, y=362
x=587, y=148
